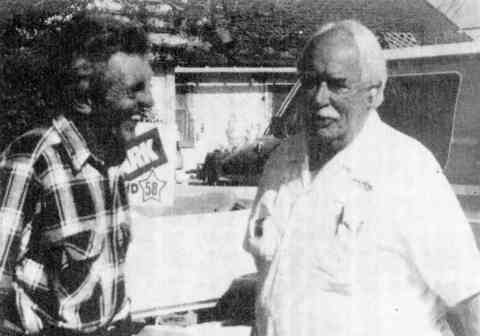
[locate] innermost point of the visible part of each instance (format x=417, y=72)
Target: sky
x=465, y=13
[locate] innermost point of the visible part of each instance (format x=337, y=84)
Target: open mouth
x=137, y=117
x=142, y=115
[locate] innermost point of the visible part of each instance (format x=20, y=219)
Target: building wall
x=223, y=116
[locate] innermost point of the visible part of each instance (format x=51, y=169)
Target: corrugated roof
x=417, y=17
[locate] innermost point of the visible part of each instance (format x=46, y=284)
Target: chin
x=328, y=141
x=337, y=145
x=325, y=134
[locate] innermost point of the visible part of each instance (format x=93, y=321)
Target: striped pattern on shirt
x=64, y=233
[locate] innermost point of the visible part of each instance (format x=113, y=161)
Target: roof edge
x=434, y=50
x=453, y=23
x=428, y=51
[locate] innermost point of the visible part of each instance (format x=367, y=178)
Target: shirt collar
x=358, y=158
x=73, y=141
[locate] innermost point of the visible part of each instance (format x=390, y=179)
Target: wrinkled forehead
x=132, y=67
x=335, y=48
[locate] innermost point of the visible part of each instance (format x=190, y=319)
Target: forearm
x=469, y=313
x=6, y=292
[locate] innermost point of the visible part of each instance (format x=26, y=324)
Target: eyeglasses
x=337, y=86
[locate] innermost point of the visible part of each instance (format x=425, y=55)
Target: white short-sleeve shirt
x=376, y=244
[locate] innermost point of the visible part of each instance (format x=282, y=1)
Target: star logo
x=152, y=187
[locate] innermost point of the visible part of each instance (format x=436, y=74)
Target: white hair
x=373, y=64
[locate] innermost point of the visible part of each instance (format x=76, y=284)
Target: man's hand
x=468, y=312
x=6, y=328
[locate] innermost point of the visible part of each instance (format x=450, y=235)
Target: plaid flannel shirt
x=64, y=233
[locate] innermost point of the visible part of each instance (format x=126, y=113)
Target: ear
x=84, y=108
x=82, y=66
x=82, y=72
x=372, y=94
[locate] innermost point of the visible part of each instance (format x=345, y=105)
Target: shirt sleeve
x=439, y=238
x=18, y=192
x=259, y=240
x=262, y=236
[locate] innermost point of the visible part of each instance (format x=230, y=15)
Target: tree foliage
x=239, y=33
x=27, y=30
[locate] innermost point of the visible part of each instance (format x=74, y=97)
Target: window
x=184, y=122
x=423, y=106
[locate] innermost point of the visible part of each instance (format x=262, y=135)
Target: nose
x=322, y=95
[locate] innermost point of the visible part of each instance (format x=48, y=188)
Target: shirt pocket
x=338, y=245
x=348, y=226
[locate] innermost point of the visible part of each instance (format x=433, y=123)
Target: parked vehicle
x=242, y=166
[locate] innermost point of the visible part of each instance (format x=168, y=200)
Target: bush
x=28, y=34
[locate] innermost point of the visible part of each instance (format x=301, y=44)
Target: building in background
x=222, y=110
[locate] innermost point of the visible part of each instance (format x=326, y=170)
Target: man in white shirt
x=355, y=230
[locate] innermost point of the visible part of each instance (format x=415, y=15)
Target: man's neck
x=100, y=140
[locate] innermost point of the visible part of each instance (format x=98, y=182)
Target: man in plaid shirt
x=64, y=220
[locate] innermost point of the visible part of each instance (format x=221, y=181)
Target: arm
x=468, y=312
x=261, y=236
x=255, y=241
x=440, y=240
x=17, y=198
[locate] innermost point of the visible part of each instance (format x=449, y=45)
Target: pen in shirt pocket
x=347, y=220
x=258, y=229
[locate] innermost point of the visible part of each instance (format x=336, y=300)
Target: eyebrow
x=325, y=76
